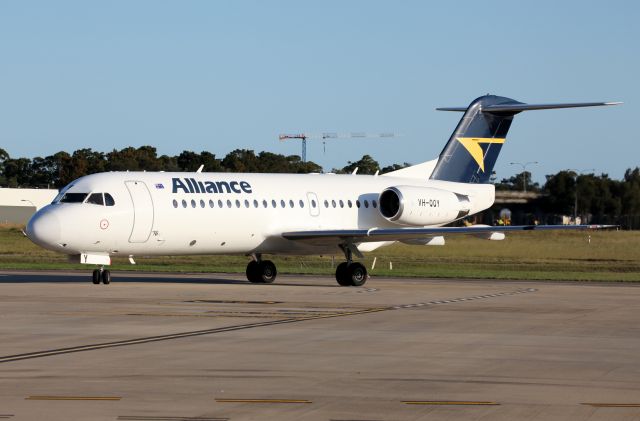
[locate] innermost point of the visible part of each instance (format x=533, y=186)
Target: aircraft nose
x=44, y=229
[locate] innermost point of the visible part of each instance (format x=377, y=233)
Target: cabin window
x=184, y=203
x=349, y=203
x=255, y=203
x=246, y=203
x=341, y=204
x=202, y=203
x=326, y=204
x=73, y=197
x=220, y=204
x=237, y=203
x=273, y=204
x=282, y=204
x=333, y=203
x=366, y=203
x=264, y=203
x=210, y=203
x=291, y=203
x=301, y=204
x=357, y=203
x=313, y=203
x=95, y=199
x=193, y=203
x=175, y=203
x=108, y=200
x=229, y=203
x=374, y=203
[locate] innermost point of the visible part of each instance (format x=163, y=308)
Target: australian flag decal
x=159, y=186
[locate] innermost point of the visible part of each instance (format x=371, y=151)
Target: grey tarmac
x=213, y=347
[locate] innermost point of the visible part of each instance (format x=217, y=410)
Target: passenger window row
x=265, y=204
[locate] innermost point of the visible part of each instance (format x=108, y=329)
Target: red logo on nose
x=104, y=224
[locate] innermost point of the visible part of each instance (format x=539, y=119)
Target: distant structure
x=18, y=205
x=332, y=135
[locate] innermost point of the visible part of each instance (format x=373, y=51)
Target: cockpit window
x=96, y=199
x=62, y=193
x=108, y=200
x=73, y=197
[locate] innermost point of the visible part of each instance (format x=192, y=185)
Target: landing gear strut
x=350, y=273
x=101, y=275
x=261, y=271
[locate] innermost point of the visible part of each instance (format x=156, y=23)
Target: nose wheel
x=101, y=275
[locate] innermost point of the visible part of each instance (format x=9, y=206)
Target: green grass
x=610, y=256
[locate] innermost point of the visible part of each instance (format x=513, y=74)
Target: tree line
x=59, y=169
x=597, y=197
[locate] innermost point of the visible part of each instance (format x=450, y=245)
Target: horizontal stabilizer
x=519, y=107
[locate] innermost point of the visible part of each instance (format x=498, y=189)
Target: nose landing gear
x=101, y=275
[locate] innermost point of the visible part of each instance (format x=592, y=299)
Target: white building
x=17, y=205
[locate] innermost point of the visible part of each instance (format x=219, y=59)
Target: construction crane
x=332, y=135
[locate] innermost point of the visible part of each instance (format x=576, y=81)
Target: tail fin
x=472, y=150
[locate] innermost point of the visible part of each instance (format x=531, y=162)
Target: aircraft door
x=314, y=205
x=142, y=211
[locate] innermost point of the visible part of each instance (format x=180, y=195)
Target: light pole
x=29, y=201
x=524, y=169
x=575, y=196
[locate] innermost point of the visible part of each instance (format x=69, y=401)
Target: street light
x=29, y=201
x=524, y=169
x=575, y=196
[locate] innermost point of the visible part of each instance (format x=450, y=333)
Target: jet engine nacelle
x=420, y=206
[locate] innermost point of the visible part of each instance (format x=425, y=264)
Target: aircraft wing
x=398, y=234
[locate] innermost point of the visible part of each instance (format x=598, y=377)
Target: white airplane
x=159, y=213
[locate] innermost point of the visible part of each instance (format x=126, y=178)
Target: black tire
x=253, y=272
x=268, y=271
x=357, y=274
x=95, y=278
x=342, y=275
x=106, y=277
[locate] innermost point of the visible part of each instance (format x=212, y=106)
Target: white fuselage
x=225, y=213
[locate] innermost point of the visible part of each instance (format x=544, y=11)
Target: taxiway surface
x=210, y=347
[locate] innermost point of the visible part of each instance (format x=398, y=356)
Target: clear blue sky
x=221, y=75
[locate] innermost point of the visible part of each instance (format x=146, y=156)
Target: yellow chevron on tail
x=472, y=145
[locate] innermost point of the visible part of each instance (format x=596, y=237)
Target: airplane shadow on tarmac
x=52, y=277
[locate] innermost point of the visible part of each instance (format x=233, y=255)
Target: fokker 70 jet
x=161, y=213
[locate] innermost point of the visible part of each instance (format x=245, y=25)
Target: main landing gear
x=261, y=271
x=350, y=273
x=101, y=275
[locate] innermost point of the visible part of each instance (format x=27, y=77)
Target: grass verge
x=575, y=256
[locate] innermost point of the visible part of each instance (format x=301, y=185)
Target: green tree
x=630, y=192
x=560, y=193
x=394, y=167
x=366, y=165
x=241, y=160
x=516, y=183
x=17, y=172
x=191, y=161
